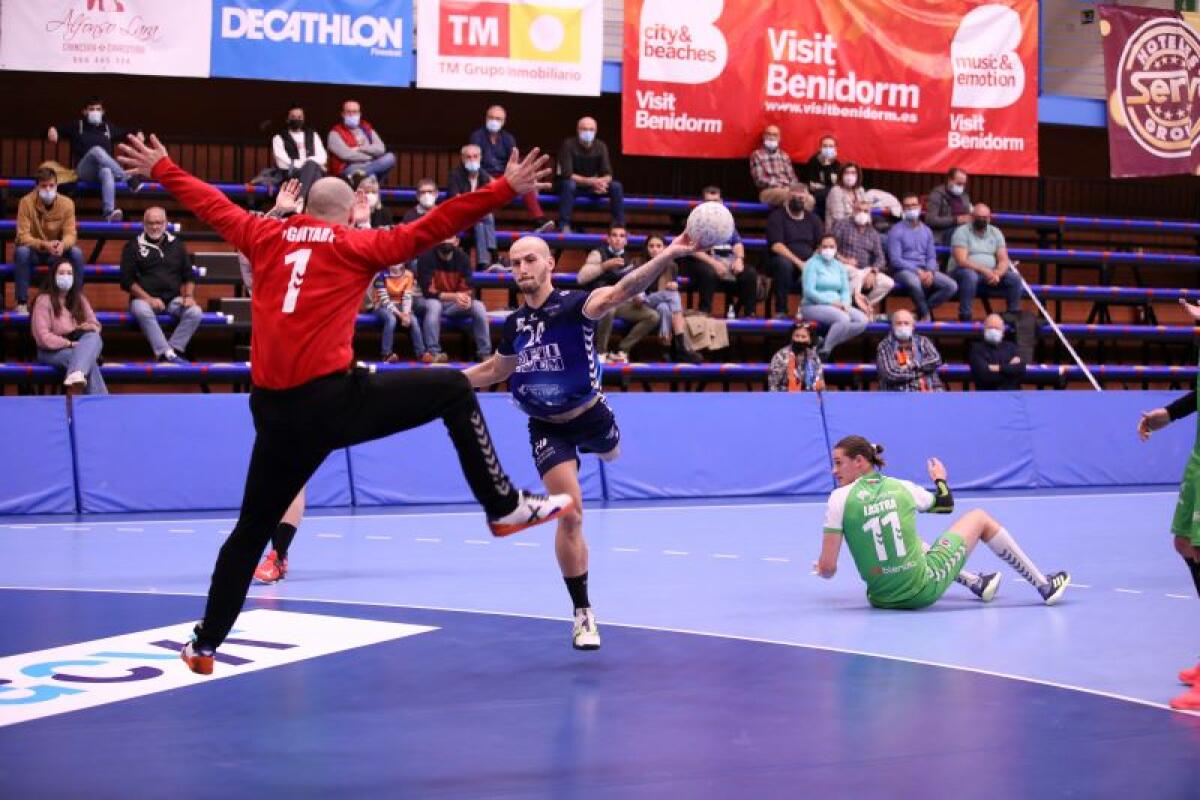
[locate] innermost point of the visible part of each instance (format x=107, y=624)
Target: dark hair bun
x=878, y=448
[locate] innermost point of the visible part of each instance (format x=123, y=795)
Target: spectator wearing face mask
x=357, y=148
x=495, y=145
x=822, y=170
x=297, y=152
x=860, y=248
x=156, y=270
x=948, y=206
x=793, y=232
x=584, y=166
x=467, y=177
x=66, y=330
x=845, y=196
x=606, y=266
x=979, y=257
x=392, y=294
x=797, y=367
x=995, y=364
x=92, y=140
x=913, y=258
x=667, y=301
x=907, y=361
x=427, y=195
x=771, y=169
x=381, y=216
x=723, y=266
x=444, y=275
x=827, y=297
x=45, y=233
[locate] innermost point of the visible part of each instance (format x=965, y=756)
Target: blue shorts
x=593, y=431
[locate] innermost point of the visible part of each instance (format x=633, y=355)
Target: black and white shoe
x=989, y=584
x=1056, y=584
x=532, y=509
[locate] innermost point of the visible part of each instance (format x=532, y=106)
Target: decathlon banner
x=135, y=37
x=542, y=47
x=1152, y=73
x=905, y=86
x=320, y=41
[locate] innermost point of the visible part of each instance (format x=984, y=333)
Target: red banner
x=914, y=86
x=1152, y=73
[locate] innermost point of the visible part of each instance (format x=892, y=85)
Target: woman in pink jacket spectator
x=66, y=330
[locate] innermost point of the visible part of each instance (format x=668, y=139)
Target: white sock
x=1004, y=546
x=968, y=579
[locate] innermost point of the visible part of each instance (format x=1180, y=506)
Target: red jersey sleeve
x=376, y=249
x=235, y=225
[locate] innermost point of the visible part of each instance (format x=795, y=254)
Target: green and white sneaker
x=585, y=635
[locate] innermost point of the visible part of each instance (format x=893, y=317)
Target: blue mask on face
x=587, y=137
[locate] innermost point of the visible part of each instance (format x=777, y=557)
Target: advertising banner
x=135, y=37
x=1152, y=76
x=542, y=47
x=363, y=42
x=904, y=86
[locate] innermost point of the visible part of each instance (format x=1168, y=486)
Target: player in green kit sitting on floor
x=877, y=517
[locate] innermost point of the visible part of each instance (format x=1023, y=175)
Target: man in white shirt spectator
x=298, y=151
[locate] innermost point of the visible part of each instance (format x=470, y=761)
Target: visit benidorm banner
x=902, y=85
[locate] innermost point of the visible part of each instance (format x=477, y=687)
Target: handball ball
x=709, y=224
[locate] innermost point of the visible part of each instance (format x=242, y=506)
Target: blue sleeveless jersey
x=557, y=368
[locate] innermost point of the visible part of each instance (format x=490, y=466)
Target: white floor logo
x=101, y=671
x=988, y=73
x=679, y=47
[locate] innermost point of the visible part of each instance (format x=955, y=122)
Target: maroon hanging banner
x=1152, y=74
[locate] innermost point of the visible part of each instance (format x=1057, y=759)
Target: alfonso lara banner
x=1152, y=73
x=542, y=47
x=907, y=86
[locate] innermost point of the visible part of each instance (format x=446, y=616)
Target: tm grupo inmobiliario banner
x=905, y=86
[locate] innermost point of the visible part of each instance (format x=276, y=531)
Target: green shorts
x=943, y=562
x=1186, y=522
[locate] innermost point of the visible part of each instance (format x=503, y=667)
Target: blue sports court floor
x=434, y=661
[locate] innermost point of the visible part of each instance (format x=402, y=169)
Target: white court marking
x=684, y=631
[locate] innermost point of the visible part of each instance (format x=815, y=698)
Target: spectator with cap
x=913, y=258
x=468, y=176
x=297, y=152
x=156, y=270
x=584, y=166
x=948, y=206
x=495, y=145
x=357, y=148
x=66, y=331
x=45, y=234
x=995, y=364
x=907, y=361
x=92, y=140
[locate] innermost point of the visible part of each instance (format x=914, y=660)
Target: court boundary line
x=655, y=628
x=91, y=520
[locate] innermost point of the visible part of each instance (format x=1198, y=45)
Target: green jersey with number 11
x=877, y=516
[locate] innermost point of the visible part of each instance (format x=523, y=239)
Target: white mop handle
x=1058, y=331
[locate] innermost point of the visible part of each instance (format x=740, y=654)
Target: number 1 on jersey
x=299, y=262
x=874, y=526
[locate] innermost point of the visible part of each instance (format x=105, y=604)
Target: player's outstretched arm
x=603, y=300
x=495, y=370
x=150, y=160
x=831, y=548
x=943, y=500
x=1151, y=421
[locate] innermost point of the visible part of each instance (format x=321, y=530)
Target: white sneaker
x=75, y=378
x=21, y=308
x=532, y=509
x=585, y=635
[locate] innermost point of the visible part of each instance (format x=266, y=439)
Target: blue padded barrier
x=718, y=445
x=1089, y=439
x=176, y=452
x=35, y=457
x=983, y=438
x=419, y=466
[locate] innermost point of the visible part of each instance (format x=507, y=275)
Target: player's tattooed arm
x=943, y=500
x=606, y=299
